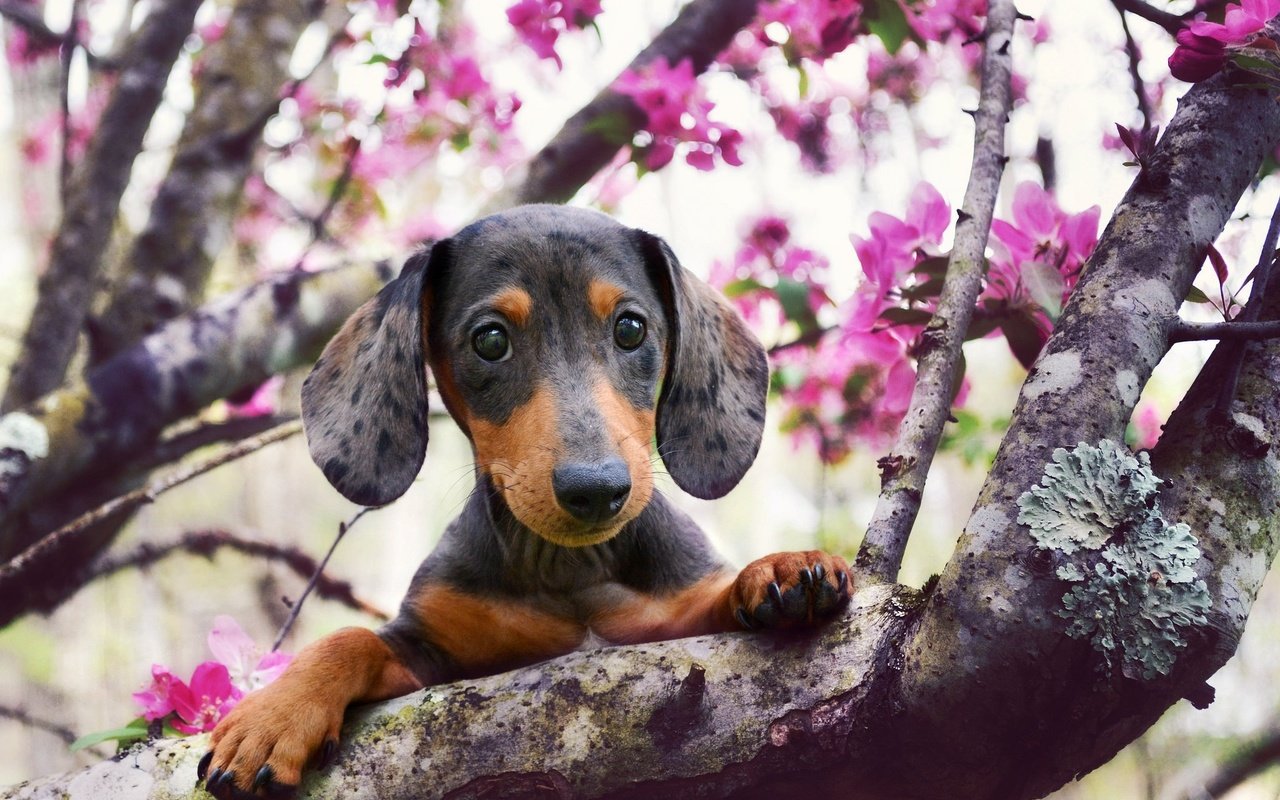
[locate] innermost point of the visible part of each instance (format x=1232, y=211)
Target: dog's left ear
x=711, y=409
x=364, y=405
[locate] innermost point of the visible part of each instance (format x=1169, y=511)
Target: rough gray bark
x=237, y=89
x=646, y=718
x=991, y=626
x=122, y=405
x=93, y=198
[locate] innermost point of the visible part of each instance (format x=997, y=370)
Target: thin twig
x=70, y=42
x=1259, y=754
x=906, y=468
x=1250, y=314
x=23, y=718
x=1226, y=331
x=321, y=221
x=207, y=542
x=343, y=527
x=1170, y=22
x=1139, y=87
x=50, y=545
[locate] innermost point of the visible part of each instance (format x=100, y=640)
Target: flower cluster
x=846, y=376
x=676, y=116
x=1203, y=47
x=539, y=23
x=1036, y=261
x=216, y=686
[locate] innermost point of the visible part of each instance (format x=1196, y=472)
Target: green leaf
x=885, y=19
x=1044, y=284
x=932, y=266
x=1253, y=63
x=738, y=288
x=1197, y=296
x=923, y=291
x=794, y=298
x=906, y=316
x=130, y=733
x=614, y=127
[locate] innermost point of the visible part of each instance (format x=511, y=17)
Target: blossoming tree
x=1093, y=586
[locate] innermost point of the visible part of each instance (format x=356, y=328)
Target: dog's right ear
x=364, y=405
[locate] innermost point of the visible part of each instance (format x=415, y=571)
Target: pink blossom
x=941, y=20
x=22, y=49
x=1239, y=23
x=1196, y=57
x=249, y=667
x=265, y=400
x=1203, y=46
x=208, y=699
x=676, y=115
x=816, y=31
x=1042, y=232
x=215, y=686
x=157, y=699
x=539, y=23
x=1147, y=425
x=895, y=245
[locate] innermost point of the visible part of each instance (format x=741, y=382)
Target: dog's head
x=561, y=342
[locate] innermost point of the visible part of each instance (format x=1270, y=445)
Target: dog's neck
x=529, y=561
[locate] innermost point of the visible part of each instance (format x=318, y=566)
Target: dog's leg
x=783, y=590
x=263, y=744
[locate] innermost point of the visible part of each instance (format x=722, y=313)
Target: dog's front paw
x=787, y=590
x=261, y=747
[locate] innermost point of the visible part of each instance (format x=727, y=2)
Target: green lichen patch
x=1135, y=591
x=1086, y=493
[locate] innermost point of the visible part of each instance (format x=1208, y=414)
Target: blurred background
x=872, y=127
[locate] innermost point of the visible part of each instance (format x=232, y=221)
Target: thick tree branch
x=906, y=468
x=582, y=148
x=999, y=590
x=237, y=89
x=120, y=409
x=588, y=725
x=66, y=287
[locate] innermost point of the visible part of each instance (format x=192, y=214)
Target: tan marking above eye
x=603, y=297
x=515, y=304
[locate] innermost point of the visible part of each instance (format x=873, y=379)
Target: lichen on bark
x=1135, y=592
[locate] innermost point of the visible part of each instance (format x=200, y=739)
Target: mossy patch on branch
x=1135, y=591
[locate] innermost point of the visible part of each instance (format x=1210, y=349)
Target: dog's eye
x=628, y=331
x=491, y=343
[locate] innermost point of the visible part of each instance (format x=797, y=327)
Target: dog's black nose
x=592, y=492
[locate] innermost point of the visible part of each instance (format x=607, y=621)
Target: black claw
x=203, y=767
x=743, y=619
x=775, y=594
x=213, y=779
x=264, y=776
x=328, y=752
x=795, y=603
x=843, y=580
x=819, y=571
x=806, y=577
x=226, y=779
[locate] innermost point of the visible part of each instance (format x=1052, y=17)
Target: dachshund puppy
x=563, y=344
